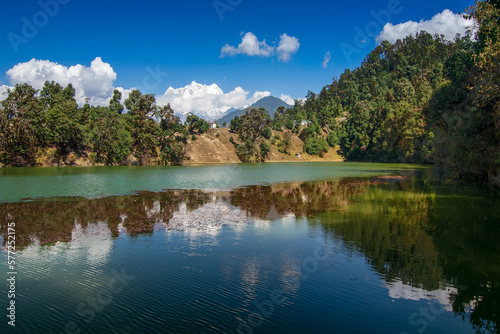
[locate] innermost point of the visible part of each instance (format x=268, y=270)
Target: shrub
x=267, y=132
x=333, y=139
x=265, y=149
x=314, y=146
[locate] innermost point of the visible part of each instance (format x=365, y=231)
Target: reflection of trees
x=301, y=199
x=53, y=220
x=467, y=234
x=422, y=233
x=390, y=228
x=429, y=236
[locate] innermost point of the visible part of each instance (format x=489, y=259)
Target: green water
x=285, y=248
x=18, y=183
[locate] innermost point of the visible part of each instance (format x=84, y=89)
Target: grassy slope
x=208, y=148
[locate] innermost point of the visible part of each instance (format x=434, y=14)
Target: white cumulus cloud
x=208, y=101
x=251, y=46
x=326, y=59
x=446, y=23
x=95, y=81
x=288, y=46
x=257, y=96
x=288, y=99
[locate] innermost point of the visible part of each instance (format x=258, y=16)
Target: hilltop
x=270, y=103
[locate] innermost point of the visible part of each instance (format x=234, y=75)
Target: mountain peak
x=270, y=103
x=195, y=89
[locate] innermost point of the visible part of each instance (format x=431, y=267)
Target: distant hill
x=270, y=103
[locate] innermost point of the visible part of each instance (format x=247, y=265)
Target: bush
x=286, y=143
x=278, y=126
x=333, y=139
x=308, y=132
x=235, y=123
x=314, y=146
x=265, y=149
x=247, y=151
x=203, y=127
x=267, y=132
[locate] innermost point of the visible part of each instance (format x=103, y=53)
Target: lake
x=249, y=248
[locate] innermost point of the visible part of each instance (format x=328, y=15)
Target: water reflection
x=47, y=221
x=430, y=240
x=427, y=241
x=399, y=290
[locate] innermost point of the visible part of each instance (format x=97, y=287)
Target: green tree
x=172, y=137
x=252, y=124
x=109, y=140
x=267, y=132
x=114, y=103
x=332, y=139
x=197, y=124
x=265, y=149
x=235, y=123
x=21, y=128
x=485, y=91
x=62, y=118
x=141, y=112
x=316, y=146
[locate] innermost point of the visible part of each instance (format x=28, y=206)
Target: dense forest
x=50, y=122
x=420, y=100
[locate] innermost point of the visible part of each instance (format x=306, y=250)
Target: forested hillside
x=422, y=100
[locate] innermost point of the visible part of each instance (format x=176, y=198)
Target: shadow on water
x=424, y=233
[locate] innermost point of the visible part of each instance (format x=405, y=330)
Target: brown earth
x=210, y=148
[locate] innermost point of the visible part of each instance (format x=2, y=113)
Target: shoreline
x=191, y=164
x=185, y=164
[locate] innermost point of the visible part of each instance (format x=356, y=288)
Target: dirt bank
x=216, y=147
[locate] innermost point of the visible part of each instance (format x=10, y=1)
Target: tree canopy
x=33, y=122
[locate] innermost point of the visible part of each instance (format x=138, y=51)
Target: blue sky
x=185, y=39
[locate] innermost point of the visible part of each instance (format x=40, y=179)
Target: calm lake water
x=267, y=248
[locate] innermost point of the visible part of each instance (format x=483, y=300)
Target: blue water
x=342, y=254
x=18, y=183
